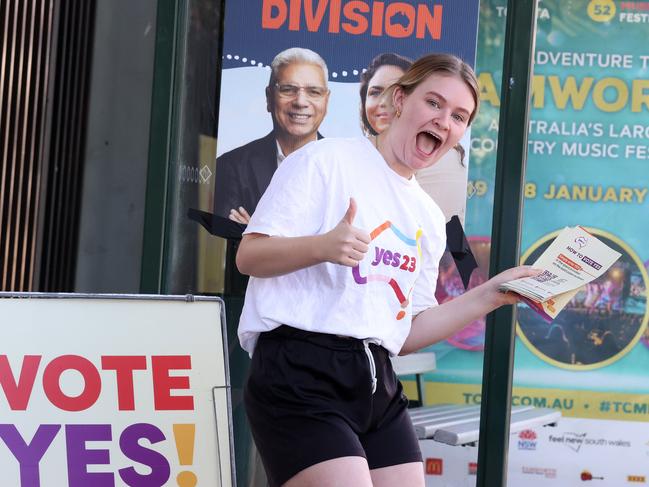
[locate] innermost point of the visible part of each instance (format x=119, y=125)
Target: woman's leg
x=304, y=401
x=410, y=474
x=392, y=448
x=339, y=472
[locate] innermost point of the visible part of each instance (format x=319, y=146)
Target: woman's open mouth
x=428, y=142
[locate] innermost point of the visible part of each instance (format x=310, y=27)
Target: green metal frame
x=160, y=142
x=505, y=241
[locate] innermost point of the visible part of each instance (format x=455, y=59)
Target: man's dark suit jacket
x=243, y=174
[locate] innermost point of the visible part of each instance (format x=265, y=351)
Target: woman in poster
x=343, y=250
x=376, y=110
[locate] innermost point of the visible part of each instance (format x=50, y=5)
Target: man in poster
x=296, y=97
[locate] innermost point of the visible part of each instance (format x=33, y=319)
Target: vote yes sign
x=126, y=391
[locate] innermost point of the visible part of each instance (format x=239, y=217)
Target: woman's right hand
x=345, y=244
x=261, y=255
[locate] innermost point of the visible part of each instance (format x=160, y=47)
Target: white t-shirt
x=308, y=195
x=446, y=182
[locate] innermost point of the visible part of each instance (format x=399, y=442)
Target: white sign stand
x=114, y=390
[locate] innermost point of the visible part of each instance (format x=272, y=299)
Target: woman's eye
x=458, y=117
x=433, y=103
x=374, y=92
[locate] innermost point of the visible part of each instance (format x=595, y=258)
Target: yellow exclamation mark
x=184, y=435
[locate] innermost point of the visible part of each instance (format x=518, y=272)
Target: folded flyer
x=572, y=260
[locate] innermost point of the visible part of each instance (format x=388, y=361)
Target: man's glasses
x=291, y=91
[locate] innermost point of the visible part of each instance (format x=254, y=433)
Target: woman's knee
x=338, y=472
x=410, y=474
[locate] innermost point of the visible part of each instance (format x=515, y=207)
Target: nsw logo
x=527, y=440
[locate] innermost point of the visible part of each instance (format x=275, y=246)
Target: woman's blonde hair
x=442, y=64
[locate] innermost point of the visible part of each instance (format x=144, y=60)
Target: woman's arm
x=261, y=255
x=440, y=322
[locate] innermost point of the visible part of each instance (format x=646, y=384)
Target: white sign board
x=107, y=391
x=588, y=452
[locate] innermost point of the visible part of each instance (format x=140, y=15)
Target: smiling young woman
x=435, y=102
x=344, y=251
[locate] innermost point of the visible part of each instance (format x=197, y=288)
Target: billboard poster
x=587, y=152
x=253, y=117
x=256, y=121
x=587, y=156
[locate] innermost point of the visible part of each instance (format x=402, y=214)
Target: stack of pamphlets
x=572, y=260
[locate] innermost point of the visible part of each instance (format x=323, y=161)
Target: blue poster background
x=249, y=48
x=245, y=35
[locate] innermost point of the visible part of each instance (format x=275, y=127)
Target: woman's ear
x=398, y=96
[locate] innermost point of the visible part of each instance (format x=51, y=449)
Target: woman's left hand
x=501, y=298
x=239, y=216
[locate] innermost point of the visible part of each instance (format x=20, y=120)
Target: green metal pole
x=505, y=239
x=159, y=149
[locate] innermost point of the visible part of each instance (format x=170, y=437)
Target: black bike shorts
x=309, y=398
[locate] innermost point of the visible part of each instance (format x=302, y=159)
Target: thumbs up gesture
x=345, y=244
